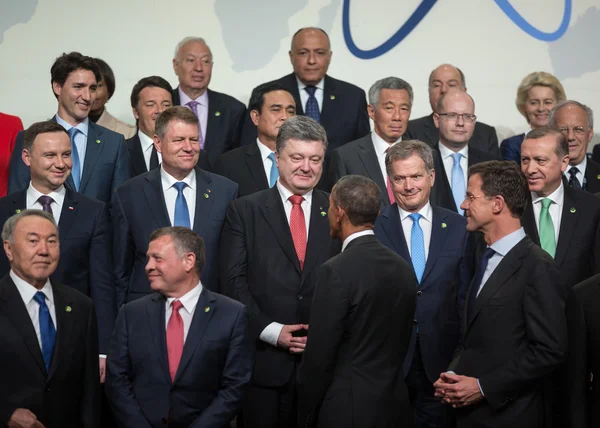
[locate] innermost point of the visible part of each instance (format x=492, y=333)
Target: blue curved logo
x=426, y=6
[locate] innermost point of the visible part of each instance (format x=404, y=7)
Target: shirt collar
x=145, y=141
x=426, y=212
x=557, y=196
x=168, y=180
x=184, y=99
x=503, y=245
x=264, y=150
x=83, y=126
x=285, y=193
x=355, y=235
x=581, y=166
x=58, y=195
x=320, y=85
x=380, y=144
x=27, y=291
x=189, y=299
x=446, y=152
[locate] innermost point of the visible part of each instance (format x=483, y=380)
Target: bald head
x=455, y=118
x=441, y=80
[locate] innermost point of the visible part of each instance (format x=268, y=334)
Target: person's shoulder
x=217, y=180
x=10, y=121
x=450, y=216
x=484, y=127
x=225, y=302
x=228, y=100
x=234, y=155
x=353, y=146
x=343, y=85
x=105, y=133
x=420, y=121
x=515, y=139
x=69, y=294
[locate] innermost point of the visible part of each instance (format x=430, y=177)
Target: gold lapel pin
x=68, y=309
x=97, y=141
x=444, y=225
x=332, y=97
x=217, y=113
x=323, y=213
x=206, y=196
x=598, y=176
x=573, y=210
x=207, y=309
x=17, y=211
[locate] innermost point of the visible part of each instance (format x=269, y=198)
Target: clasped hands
x=288, y=341
x=457, y=390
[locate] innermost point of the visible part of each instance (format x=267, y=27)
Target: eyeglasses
x=471, y=198
x=577, y=130
x=453, y=117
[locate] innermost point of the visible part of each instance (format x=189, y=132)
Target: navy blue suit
x=138, y=208
x=105, y=167
x=511, y=148
x=215, y=366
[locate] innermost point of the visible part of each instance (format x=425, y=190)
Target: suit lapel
x=369, y=159
x=592, y=177
x=155, y=309
x=19, y=203
x=441, y=193
x=64, y=328
x=92, y=154
x=156, y=198
x=317, y=232
x=331, y=99
x=528, y=223
x=568, y=220
x=393, y=228
x=68, y=214
x=431, y=131
x=136, y=156
x=69, y=183
x=439, y=234
x=213, y=121
x=291, y=84
x=204, y=202
x=255, y=167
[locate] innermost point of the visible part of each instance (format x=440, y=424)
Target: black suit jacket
x=244, y=166
x=578, y=245
x=139, y=208
x=515, y=336
x=85, y=260
x=260, y=268
x=484, y=136
x=592, y=176
x=66, y=396
x=136, y=156
x=223, y=127
x=360, y=326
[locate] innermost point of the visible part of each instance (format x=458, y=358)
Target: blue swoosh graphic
x=518, y=19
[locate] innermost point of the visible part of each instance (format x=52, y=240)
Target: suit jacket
x=511, y=148
x=260, y=268
x=137, y=161
x=357, y=157
x=139, y=208
x=108, y=121
x=578, y=245
x=85, y=246
x=516, y=335
x=10, y=126
x=68, y=394
x=105, y=167
x=484, y=136
x=343, y=113
x=360, y=326
x=244, y=166
x=215, y=366
x=223, y=127
x=592, y=176
x=441, y=293
x=596, y=153
x=441, y=193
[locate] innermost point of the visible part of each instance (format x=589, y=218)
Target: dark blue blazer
x=138, y=208
x=85, y=245
x=105, y=167
x=442, y=291
x=511, y=148
x=215, y=366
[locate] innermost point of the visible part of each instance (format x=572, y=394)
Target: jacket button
x=300, y=297
x=415, y=322
x=419, y=293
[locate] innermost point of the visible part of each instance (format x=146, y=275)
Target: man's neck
x=500, y=229
x=547, y=192
x=192, y=93
x=183, y=288
x=268, y=142
x=70, y=120
x=454, y=147
x=44, y=190
x=348, y=229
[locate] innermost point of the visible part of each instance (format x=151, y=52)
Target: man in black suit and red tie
x=276, y=241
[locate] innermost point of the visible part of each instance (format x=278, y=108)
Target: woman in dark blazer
x=10, y=126
x=537, y=95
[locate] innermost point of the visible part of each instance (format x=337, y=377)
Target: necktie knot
x=574, y=171
x=456, y=157
x=46, y=201
x=193, y=106
x=180, y=185
x=176, y=305
x=488, y=254
x=546, y=203
x=40, y=298
x=415, y=217
x=73, y=132
x=296, y=199
x=311, y=89
x=272, y=157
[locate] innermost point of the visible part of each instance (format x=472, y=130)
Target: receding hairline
x=455, y=68
x=314, y=29
x=188, y=40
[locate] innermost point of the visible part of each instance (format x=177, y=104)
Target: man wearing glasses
x=455, y=119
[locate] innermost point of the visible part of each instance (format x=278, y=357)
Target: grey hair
x=405, y=149
x=588, y=111
x=185, y=241
x=9, y=225
x=389, y=83
x=187, y=40
x=301, y=128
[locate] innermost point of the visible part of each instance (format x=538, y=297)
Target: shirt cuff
x=271, y=333
x=103, y=356
x=480, y=390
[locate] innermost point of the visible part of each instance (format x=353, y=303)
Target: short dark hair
x=562, y=145
x=359, y=197
x=107, y=76
x=257, y=100
x=38, y=128
x=504, y=178
x=301, y=128
x=149, y=82
x=173, y=113
x=185, y=241
x=68, y=63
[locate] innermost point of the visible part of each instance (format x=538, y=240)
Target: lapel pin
x=444, y=225
x=573, y=210
x=332, y=97
x=68, y=309
x=323, y=213
x=207, y=309
x=217, y=113
x=206, y=196
x=97, y=141
x=598, y=176
x=17, y=211
x=70, y=208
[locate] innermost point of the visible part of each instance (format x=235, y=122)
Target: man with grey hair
x=220, y=116
x=576, y=122
x=433, y=240
x=390, y=104
x=276, y=240
x=48, y=334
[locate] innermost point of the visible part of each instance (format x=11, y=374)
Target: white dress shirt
x=189, y=301
x=80, y=138
x=32, y=196
x=380, y=146
x=555, y=209
x=426, y=222
x=202, y=109
x=264, y=155
x=355, y=235
x=446, y=155
x=170, y=193
x=147, y=144
x=581, y=174
x=27, y=291
x=318, y=94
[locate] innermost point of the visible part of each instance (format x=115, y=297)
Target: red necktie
x=388, y=183
x=298, y=227
x=174, y=338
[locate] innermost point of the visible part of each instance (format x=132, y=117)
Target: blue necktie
x=417, y=247
x=274, y=171
x=458, y=182
x=182, y=214
x=47, y=330
x=76, y=170
x=312, y=106
x=476, y=284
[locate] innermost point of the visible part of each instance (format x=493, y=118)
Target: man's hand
x=459, y=391
x=102, y=369
x=286, y=340
x=23, y=418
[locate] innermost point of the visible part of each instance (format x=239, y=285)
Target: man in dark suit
x=575, y=121
x=441, y=80
x=514, y=328
x=253, y=167
x=455, y=118
x=220, y=116
x=340, y=107
x=563, y=220
x=100, y=160
x=276, y=241
x=85, y=262
x=390, y=102
x=48, y=336
x=360, y=324
x=176, y=194
x=149, y=98
x=433, y=241
x=180, y=357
